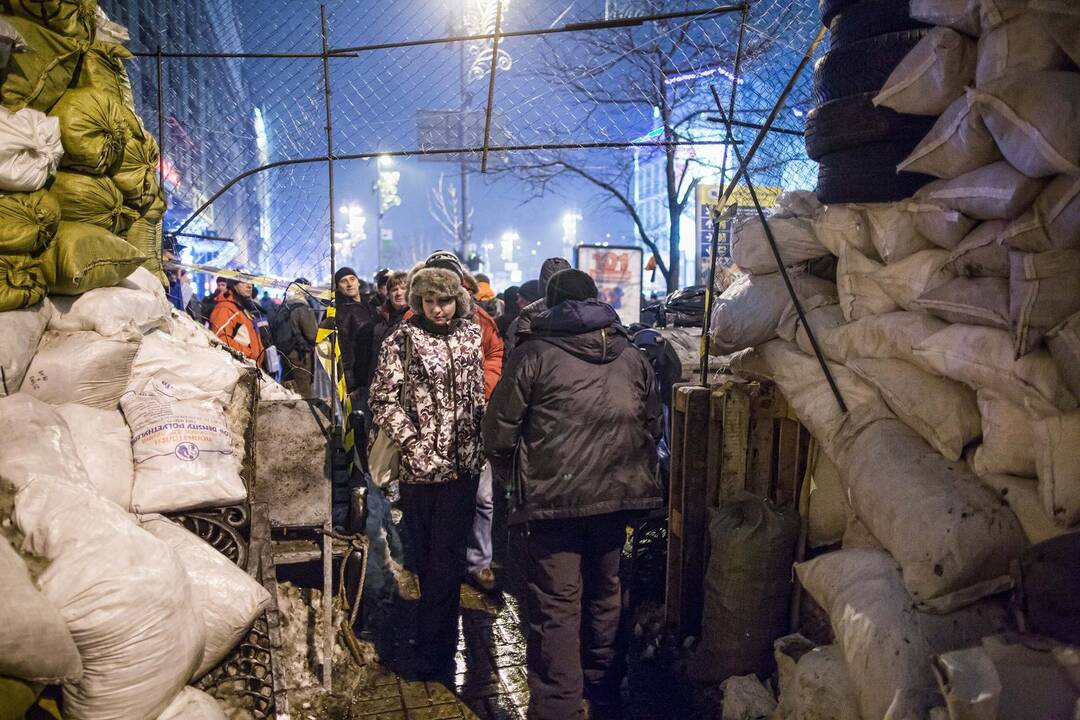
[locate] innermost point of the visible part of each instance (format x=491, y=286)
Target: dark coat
x=353, y=321
x=577, y=415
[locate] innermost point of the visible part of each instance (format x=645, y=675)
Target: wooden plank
x=695, y=513
x=760, y=468
x=735, y=429
x=715, y=455
x=787, y=461
x=673, y=586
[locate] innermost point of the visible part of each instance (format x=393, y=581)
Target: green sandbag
x=70, y=18
x=38, y=77
x=102, y=69
x=93, y=131
x=92, y=199
x=145, y=236
x=27, y=222
x=84, y=257
x=22, y=281
x=137, y=177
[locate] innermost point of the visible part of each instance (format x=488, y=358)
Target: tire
x=862, y=66
x=868, y=18
x=853, y=121
x=831, y=8
x=867, y=174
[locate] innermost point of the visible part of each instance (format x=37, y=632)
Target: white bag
x=1057, y=462
x=183, y=453
x=745, y=698
x=1044, y=290
x=109, y=311
x=1032, y=116
x=789, y=319
x=1022, y=495
x=821, y=320
x=1008, y=439
x=30, y=149
x=962, y=15
x=839, y=226
x=995, y=13
x=1021, y=44
x=748, y=312
x=82, y=367
x=892, y=335
x=892, y=231
x=975, y=301
x=20, y=333
x=193, y=704
x=944, y=228
x=191, y=372
x=859, y=294
x=997, y=191
x=103, y=444
x=931, y=75
x=143, y=279
x=37, y=444
x=105, y=30
x=1061, y=20
x=1051, y=222
x=958, y=143
x=908, y=279
x=794, y=237
x=820, y=688
x=1064, y=344
x=228, y=599
x=827, y=514
x=982, y=253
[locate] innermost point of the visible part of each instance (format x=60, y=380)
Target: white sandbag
x=958, y=143
x=103, y=443
x=1044, y=291
x=193, y=373
x=982, y=253
x=189, y=332
x=885, y=643
x=81, y=367
x=1022, y=494
x=1021, y=44
x=859, y=294
x=905, y=281
x=1008, y=439
x=838, y=226
x=183, y=453
x=794, y=237
x=143, y=279
x=193, y=704
x=983, y=358
x=229, y=600
x=931, y=75
x=798, y=203
x=789, y=319
x=109, y=311
x=893, y=232
x=943, y=412
x=814, y=683
x=20, y=333
x=30, y=149
x=1032, y=116
x=37, y=444
x=953, y=537
x=269, y=389
x=944, y=228
x=108, y=31
x=828, y=509
x=1050, y=224
x=1057, y=462
x=962, y=15
x=747, y=313
x=822, y=321
x=974, y=301
x=1061, y=19
x=995, y=13
x=997, y=191
x=1064, y=344
x=745, y=698
x=892, y=335
x=34, y=640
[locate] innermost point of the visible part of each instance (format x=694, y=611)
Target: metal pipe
x=245, y=56
x=197, y=236
x=758, y=126
x=160, y=140
x=491, y=87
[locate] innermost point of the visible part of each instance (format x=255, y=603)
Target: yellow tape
x=326, y=341
x=261, y=280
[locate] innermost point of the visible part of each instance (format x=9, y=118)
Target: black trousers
x=573, y=607
x=437, y=519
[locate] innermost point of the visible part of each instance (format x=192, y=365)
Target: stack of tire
x=857, y=145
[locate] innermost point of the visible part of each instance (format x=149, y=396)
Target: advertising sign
x=617, y=272
x=706, y=197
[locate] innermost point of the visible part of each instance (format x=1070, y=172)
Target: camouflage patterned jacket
x=439, y=427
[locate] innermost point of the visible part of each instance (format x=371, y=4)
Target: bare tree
x=444, y=205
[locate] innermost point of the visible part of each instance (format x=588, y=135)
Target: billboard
x=617, y=272
x=706, y=198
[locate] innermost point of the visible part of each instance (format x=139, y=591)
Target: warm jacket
x=493, y=349
x=438, y=430
x=235, y=325
x=577, y=415
x=352, y=320
x=302, y=319
x=522, y=323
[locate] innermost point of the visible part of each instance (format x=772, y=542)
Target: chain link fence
x=582, y=98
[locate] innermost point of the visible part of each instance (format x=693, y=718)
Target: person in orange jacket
x=233, y=319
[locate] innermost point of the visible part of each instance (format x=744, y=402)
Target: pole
x=463, y=79
x=491, y=86
x=160, y=140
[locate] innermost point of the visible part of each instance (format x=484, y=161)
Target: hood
x=587, y=329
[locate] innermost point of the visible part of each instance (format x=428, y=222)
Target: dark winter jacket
x=577, y=416
x=353, y=317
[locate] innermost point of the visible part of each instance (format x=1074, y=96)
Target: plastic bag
x=30, y=149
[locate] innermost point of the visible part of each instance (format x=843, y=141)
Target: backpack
x=284, y=333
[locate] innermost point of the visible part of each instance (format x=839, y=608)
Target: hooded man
x=524, y=318
x=577, y=416
x=353, y=314
x=295, y=329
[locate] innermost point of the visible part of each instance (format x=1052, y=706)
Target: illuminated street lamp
x=355, y=220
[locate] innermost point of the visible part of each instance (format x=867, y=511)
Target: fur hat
x=440, y=282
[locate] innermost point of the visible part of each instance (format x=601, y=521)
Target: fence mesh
x=586, y=111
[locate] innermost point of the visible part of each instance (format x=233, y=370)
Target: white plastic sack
x=1064, y=344
x=20, y=333
x=747, y=313
x=1021, y=44
x=821, y=320
x=1032, y=116
x=30, y=149
x=958, y=143
x=828, y=509
x=982, y=253
x=1008, y=439
x=37, y=444
x=193, y=373
x=905, y=281
x=789, y=319
x=1061, y=20
x=143, y=279
x=859, y=294
x=108, y=31
x=189, y=332
x=229, y=600
x=838, y=226
x=82, y=367
x=997, y=191
x=943, y=412
x=1050, y=224
x=893, y=232
x=798, y=203
x=975, y=301
x=794, y=237
x=995, y=13
x=183, y=454
x=1044, y=290
x=1057, y=462
x=820, y=688
x=944, y=228
x=931, y=75
x=962, y=15
x=745, y=698
x=892, y=335
x=1022, y=494
x=983, y=358
x=193, y=704
x=109, y=311
x=103, y=444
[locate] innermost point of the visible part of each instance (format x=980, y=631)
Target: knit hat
x=569, y=284
x=549, y=268
x=530, y=290
x=344, y=272
x=446, y=260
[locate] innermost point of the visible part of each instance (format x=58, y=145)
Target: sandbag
x=1050, y=224
x=931, y=75
x=958, y=143
x=983, y=358
x=1032, y=118
x=944, y=228
x=81, y=367
x=71, y=18
x=982, y=253
x=92, y=199
x=747, y=313
x=137, y=176
x=102, y=442
x=885, y=642
x=183, y=453
x=746, y=698
x=193, y=704
x=38, y=78
x=102, y=70
x=814, y=683
x=859, y=294
x=1057, y=462
x=1061, y=19
x=27, y=222
x=110, y=311
x=953, y=537
x=228, y=599
x=30, y=149
x=146, y=235
x=974, y=301
x=891, y=335
x=747, y=588
x=1051, y=601
x=38, y=447
x=20, y=333
x=1044, y=290
x=997, y=191
x=893, y=232
x=1019, y=45
x=191, y=373
x=1008, y=439
x=838, y=226
x=794, y=237
x=907, y=280
x=34, y=640
x=789, y=319
x=995, y=13
x=827, y=514
x=1022, y=494
x=962, y=15
x=944, y=413
x=93, y=131
x=1064, y=344
x=143, y=279
x=84, y=257
x=22, y=282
